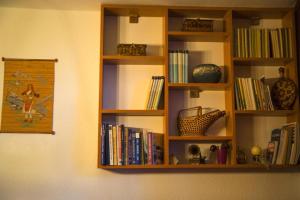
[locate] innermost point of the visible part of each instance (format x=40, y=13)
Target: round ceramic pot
x=207, y=73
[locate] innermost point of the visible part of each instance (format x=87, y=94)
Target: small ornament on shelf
x=256, y=153
x=284, y=92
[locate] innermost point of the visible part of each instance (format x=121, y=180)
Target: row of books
x=284, y=147
x=252, y=94
x=263, y=43
x=178, y=66
x=130, y=146
x=155, y=92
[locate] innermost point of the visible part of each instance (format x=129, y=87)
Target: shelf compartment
x=200, y=86
x=265, y=113
x=200, y=138
x=262, y=61
x=197, y=36
x=133, y=112
x=133, y=60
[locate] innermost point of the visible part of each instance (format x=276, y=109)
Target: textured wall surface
x=60, y=167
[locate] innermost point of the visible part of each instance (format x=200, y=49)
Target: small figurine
x=256, y=153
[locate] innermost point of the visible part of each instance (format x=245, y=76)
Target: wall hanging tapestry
x=28, y=95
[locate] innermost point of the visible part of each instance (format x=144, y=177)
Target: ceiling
x=94, y=4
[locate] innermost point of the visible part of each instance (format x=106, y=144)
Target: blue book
x=133, y=141
x=129, y=146
x=137, y=148
x=122, y=144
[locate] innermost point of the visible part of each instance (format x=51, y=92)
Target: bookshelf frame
x=228, y=14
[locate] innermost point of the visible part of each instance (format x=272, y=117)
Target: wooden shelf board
x=264, y=13
x=134, y=112
x=200, y=86
x=200, y=138
x=127, y=10
x=203, y=166
x=265, y=113
x=133, y=60
x=196, y=12
x=197, y=36
x=262, y=61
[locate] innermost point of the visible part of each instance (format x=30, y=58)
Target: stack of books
x=155, y=92
x=263, y=43
x=284, y=147
x=252, y=94
x=178, y=66
x=130, y=146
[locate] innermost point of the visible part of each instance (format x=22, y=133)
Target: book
x=275, y=138
x=111, y=147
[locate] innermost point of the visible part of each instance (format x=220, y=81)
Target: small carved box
x=132, y=49
x=197, y=25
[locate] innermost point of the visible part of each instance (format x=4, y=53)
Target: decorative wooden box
x=197, y=25
x=132, y=49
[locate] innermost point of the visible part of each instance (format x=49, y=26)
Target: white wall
x=63, y=166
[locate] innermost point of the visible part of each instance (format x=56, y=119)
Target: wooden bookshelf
x=170, y=34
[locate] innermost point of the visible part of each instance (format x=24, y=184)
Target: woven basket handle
x=198, y=108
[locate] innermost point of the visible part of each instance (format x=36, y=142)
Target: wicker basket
x=132, y=49
x=198, y=124
x=197, y=25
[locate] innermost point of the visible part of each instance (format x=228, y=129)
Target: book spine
x=145, y=146
x=180, y=66
x=123, y=145
x=171, y=67
x=149, y=136
x=107, y=156
x=175, y=62
x=186, y=64
x=133, y=147
x=103, y=154
x=149, y=94
x=137, y=148
x=126, y=145
x=115, y=149
x=119, y=145
x=155, y=79
x=159, y=92
x=111, y=146
x=130, y=153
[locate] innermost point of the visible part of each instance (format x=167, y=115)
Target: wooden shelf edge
x=134, y=112
x=202, y=166
x=134, y=60
x=201, y=86
x=200, y=138
x=197, y=36
x=262, y=61
x=265, y=113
